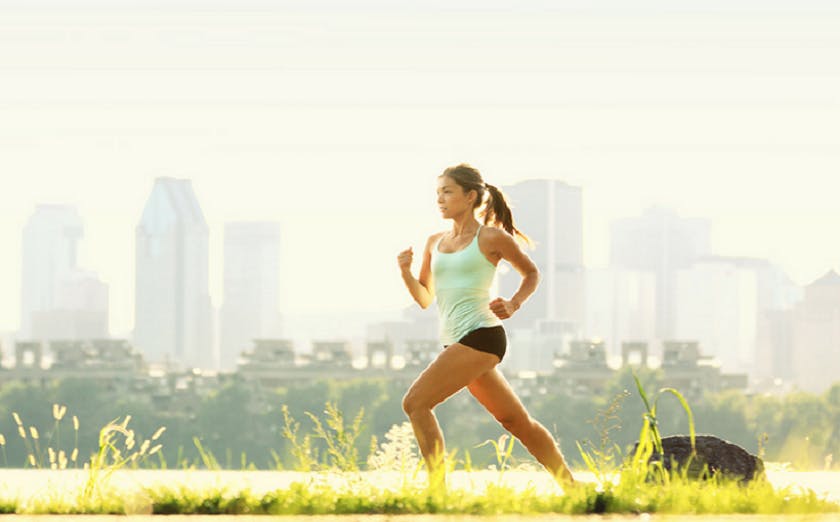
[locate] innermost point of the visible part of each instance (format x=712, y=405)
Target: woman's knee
x=520, y=426
x=407, y=404
x=413, y=403
x=410, y=403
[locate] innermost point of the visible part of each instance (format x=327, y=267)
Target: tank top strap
x=474, y=239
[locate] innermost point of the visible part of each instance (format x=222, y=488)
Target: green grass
x=354, y=493
x=334, y=485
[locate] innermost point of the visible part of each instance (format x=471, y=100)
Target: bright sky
x=335, y=121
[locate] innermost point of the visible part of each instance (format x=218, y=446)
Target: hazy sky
x=334, y=118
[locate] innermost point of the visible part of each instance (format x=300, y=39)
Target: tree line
x=242, y=426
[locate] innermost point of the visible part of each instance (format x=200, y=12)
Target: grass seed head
x=17, y=418
x=34, y=432
x=59, y=411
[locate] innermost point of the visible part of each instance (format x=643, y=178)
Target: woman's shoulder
x=491, y=233
x=434, y=238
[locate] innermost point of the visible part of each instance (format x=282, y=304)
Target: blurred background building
x=251, y=307
x=59, y=300
x=173, y=313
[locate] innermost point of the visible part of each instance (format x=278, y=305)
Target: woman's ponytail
x=497, y=213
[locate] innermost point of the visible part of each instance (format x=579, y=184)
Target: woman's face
x=451, y=198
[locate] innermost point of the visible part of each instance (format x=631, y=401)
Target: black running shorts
x=491, y=339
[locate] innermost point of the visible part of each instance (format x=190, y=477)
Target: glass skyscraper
x=173, y=313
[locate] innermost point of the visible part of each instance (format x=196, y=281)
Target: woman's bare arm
x=422, y=288
x=509, y=250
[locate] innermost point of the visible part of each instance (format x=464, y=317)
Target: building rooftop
x=830, y=278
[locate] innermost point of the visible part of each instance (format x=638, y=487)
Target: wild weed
x=602, y=459
x=305, y=456
x=650, y=440
x=340, y=440
x=51, y=456
x=117, y=449
x=503, y=452
x=398, y=453
x=207, y=458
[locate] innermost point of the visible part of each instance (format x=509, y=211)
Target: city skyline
x=729, y=306
x=219, y=300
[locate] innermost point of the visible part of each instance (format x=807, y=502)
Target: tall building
x=173, y=314
x=716, y=304
x=58, y=299
x=777, y=298
x=251, y=307
x=80, y=311
x=734, y=306
x=620, y=307
x=550, y=212
x=816, y=335
x=662, y=243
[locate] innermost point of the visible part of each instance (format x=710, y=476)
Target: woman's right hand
x=404, y=259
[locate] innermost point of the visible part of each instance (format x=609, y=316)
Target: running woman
x=457, y=270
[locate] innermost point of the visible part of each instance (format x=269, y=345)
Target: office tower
x=732, y=306
x=80, y=312
x=662, y=243
x=173, y=320
x=550, y=213
x=620, y=307
x=816, y=335
x=777, y=298
x=251, y=307
x=717, y=305
x=58, y=299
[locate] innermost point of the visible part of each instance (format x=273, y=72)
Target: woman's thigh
x=493, y=391
x=454, y=367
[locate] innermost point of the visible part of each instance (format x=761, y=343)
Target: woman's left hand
x=502, y=308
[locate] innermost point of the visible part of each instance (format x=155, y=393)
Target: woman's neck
x=464, y=227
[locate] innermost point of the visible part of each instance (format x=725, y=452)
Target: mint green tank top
x=462, y=283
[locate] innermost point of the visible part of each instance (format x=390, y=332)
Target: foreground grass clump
x=355, y=493
x=319, y=497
